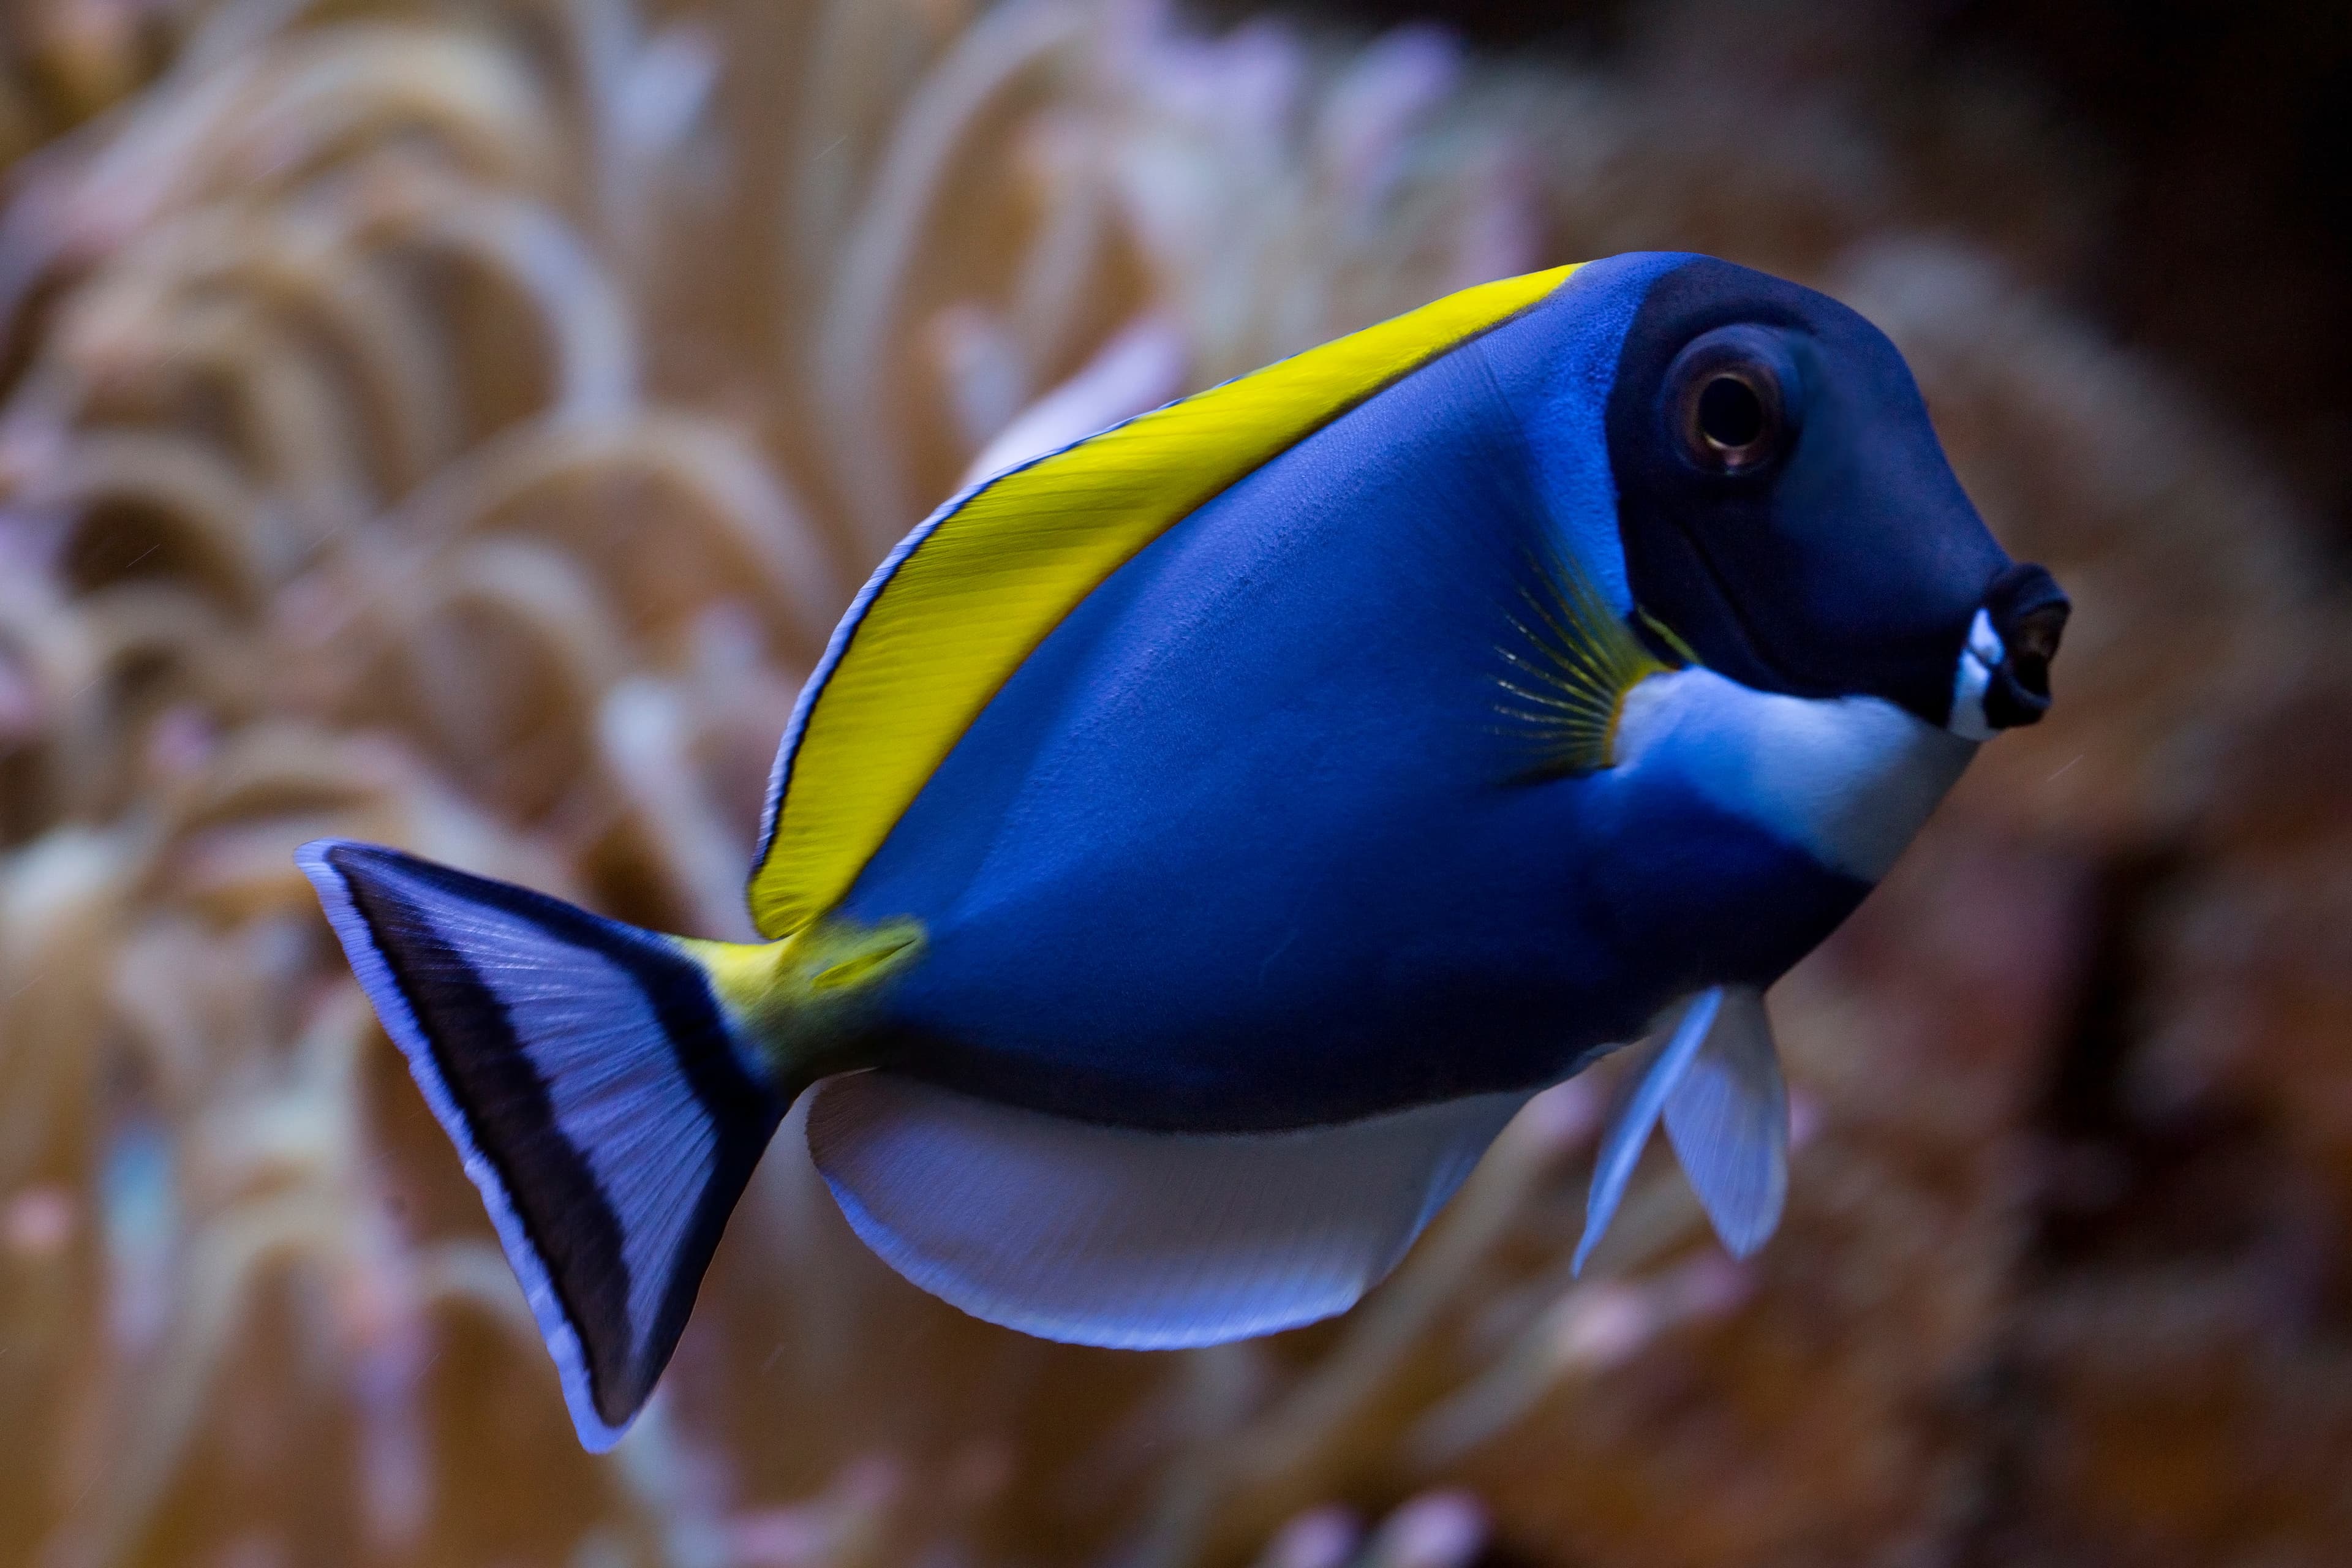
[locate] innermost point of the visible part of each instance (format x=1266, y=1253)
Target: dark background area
x=2225, y=131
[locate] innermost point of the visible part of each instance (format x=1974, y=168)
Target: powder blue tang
x=1198, y=842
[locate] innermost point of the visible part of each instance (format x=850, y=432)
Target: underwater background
x=459, y=426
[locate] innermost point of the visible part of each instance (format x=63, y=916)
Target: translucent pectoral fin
x=1728, y=1114
x=1620, y=1146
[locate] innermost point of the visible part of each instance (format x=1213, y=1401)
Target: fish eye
x=1728, y=398
x=1730, y=412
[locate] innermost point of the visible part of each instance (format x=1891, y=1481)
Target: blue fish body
x=1246, y=843
x=1197, y=843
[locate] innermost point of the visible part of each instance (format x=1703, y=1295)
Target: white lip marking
x=1974, y=677
x=1847, y=778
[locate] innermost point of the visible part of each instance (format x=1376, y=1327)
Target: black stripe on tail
x=589, y=1081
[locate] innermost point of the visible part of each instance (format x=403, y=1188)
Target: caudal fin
x=588, y=1077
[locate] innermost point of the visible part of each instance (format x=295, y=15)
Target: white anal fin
x=1108, y=1236
x=1716, y=1081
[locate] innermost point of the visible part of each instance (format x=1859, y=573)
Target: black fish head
x=1787, y=513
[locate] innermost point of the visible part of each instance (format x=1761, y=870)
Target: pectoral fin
x=1716, y=1082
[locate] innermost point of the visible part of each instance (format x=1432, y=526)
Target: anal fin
x=1109, y=1236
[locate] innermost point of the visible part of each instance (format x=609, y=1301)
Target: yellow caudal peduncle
x=805, y=1003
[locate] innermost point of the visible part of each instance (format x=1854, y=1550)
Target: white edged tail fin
x=588, y=1077
x=1110, y=1236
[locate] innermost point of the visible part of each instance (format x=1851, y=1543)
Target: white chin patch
x=1978, y=661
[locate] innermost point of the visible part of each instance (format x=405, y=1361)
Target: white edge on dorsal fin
x=1115, y=1237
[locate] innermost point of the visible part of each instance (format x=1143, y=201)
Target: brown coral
x=459, y=428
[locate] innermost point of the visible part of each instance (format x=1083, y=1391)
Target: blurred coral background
x=459, y=426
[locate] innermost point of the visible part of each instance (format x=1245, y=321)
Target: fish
x=1197, y=843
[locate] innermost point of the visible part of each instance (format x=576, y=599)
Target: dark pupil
x=1729, y=412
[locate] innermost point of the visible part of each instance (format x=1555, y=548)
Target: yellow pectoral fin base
x=944, y=625
x=803, y=1003
x=1566, y=673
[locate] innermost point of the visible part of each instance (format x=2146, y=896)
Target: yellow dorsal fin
x=947, y=621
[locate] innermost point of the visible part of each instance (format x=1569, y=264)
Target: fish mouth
x=2003, y=679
